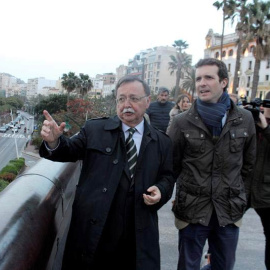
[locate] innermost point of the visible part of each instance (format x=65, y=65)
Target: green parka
x=212, y=175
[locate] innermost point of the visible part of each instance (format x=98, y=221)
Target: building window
x=267, y=77
x=229, y=67
x=231, y=52
x=157, y=81
x=250, y=65
x=217, y=55
x=159, y=57
x=157, y=74
x=158, y=65
x=223, y=53
x=268, y=63
x=248, y=82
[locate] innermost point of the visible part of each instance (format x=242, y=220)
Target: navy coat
x=100, y=144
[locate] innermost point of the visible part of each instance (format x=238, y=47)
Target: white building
x=34, y=86
x=245, y=75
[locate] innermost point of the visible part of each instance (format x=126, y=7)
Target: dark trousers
x=264, y=214
x=222, y=242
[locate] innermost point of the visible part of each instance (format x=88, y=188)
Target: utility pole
x=14, y=136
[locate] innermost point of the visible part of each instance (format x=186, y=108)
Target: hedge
x=10, y=172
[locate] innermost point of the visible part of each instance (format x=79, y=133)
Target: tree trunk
x=237, y=64
x=177, y=85
x=255, y=78
x=222, y=35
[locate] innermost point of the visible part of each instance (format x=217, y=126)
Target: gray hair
x=132, y=78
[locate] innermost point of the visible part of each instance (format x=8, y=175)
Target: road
x=12, y=144
x=250, y=250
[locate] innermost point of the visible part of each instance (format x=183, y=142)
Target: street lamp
x=14, y=136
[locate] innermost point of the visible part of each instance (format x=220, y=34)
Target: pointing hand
x=50, y=131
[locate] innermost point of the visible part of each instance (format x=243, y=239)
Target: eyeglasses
x=132, y=99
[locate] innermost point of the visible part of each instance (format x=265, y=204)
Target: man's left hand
x=154, y=196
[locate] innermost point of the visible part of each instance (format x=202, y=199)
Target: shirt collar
x=139, y=127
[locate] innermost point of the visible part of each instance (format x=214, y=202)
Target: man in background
x=159, y=111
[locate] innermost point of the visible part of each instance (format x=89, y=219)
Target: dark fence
x=35, y=212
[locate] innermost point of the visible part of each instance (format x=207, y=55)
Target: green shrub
x=37, y=141
x=10, y=168
x=3, y=184
x=10, y=171
x=18, y=162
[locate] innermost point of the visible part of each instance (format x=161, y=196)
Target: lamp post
x=16, y=146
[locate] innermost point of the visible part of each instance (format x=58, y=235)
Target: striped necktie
x=131, y=152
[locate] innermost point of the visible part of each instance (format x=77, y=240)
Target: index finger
x=47, y=116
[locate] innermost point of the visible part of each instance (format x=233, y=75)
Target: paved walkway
x=250, y=251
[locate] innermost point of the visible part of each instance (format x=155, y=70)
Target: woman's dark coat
x=100, y=144
x=260, y=192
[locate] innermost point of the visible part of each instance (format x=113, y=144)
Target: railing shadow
x=35, y=214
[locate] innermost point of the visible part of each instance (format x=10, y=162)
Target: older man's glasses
x=132, y=99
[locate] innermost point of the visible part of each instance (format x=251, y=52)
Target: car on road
x=31, y=117
x=3, y=129
x=15, y=129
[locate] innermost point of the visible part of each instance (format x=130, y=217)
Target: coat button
x=104, y=190
x=115, y=161
x=108, y=149
x=187, y=135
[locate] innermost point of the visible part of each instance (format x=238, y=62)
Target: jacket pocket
x=186, y=200
x=237, y=139
x=195, y=140
x=238, y=202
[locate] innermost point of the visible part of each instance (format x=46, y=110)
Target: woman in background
x=182, y=104
x=260, y=190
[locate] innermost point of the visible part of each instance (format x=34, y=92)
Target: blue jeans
x=222, y=243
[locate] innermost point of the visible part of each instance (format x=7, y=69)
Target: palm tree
x=222, y=5
x=259, y=29
x=84, y=84
x=189, y=82
x=180, y=62
x=69, y=82
x=235, y=9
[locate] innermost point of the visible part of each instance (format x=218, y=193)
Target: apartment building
x=245, y=74
x=35, y=86
x=152, y=66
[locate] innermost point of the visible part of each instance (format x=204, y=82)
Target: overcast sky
x=52, y=37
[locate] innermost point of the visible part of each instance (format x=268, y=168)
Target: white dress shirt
x=137, y=136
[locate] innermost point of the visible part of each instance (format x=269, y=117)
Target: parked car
x=3, y=129
x=18, y=126
x=15, y=129
x=22, y=122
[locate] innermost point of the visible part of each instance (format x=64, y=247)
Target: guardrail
x=35, y=214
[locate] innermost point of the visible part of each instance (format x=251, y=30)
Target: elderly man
x=126, y=177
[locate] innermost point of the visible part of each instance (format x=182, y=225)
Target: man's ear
x=224, y=82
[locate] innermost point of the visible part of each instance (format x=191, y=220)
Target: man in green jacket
x=214, y=152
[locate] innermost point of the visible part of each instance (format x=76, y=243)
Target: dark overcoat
x=100, y=144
